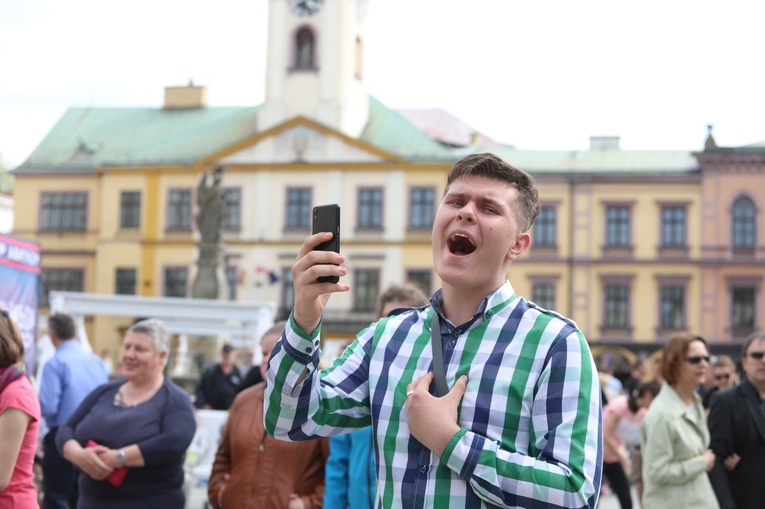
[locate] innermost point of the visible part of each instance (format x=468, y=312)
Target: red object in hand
x=116, y=477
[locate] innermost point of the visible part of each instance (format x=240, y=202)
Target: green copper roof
x=388, y=130
x=85, y=138
x=752, y=147
x=612, y=162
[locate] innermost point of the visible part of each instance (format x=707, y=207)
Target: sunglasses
x=722, y=377
x=756, y=355
x=697, y=359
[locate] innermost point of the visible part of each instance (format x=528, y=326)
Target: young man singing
x=519, y=424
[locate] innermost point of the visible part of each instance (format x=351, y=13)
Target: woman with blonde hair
x=674, y=438
x=19, y=421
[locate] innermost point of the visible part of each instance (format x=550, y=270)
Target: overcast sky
x=535, y=74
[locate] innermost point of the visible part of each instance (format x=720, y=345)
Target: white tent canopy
x=241, y=323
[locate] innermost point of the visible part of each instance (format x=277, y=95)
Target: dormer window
x=304, y=49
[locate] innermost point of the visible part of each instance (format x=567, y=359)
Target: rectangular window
x=176, y=281
x=617, y=307
x=422, y=206
x=179, y=209
x=743, y=308
x=366, y=283
x=545, y=228
x=64, y=211
x=125, y=282
x=370, y=208
x=130, y=209
x=298, y=208
x=232, y=197
x=288, y=294
x=543, y=295
x=672, y=307
x=422, y=278
x=231, y=277
x=673, y=226
x=618, y=226
x=65, y=280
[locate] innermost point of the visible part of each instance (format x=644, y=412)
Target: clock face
x=305, y=7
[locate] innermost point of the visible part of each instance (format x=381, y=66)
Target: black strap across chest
x=442, y=389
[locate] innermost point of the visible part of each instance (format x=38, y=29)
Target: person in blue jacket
x=350, y=468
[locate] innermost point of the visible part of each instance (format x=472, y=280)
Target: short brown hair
x=11, y=342
x=751, y=339
x=674, y=353
x=276, y=328
x=489, y=165
x=62, y=325
x=724, y=361
x=406, y=293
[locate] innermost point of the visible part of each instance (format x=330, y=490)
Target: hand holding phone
x=326, y=218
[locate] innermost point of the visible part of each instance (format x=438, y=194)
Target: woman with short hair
x=674, y=438
x=139, y=427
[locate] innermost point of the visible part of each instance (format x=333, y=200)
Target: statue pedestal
x=206, y=285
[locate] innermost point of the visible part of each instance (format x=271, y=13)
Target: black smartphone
x=326, y=218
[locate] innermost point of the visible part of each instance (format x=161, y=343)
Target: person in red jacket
x=254, y=470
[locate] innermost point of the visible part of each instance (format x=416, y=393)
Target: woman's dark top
x=162, y=427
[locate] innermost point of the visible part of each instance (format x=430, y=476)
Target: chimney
x=188, y=97
x=604, y=143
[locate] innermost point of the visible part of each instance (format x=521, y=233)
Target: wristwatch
x=121, y=456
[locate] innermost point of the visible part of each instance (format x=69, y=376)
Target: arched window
x=743, y=223
x=304, y=49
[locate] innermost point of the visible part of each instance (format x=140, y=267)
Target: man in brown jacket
x=254, y=470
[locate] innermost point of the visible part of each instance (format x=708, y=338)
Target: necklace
x=119, y=400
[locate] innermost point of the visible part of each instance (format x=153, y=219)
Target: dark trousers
x=619, y=483
x=59, y=476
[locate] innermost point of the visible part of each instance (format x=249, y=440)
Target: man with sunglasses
x=737, y=428
x=723, y=376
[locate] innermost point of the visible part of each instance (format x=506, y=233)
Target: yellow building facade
x=632, y=245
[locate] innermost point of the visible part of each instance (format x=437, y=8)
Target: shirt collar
x=498, y=298
x=68, y=344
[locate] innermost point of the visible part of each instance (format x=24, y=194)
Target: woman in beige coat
x=674, y=436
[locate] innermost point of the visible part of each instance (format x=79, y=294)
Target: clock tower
x=314, y=67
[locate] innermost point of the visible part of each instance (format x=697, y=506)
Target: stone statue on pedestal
x=209, y=219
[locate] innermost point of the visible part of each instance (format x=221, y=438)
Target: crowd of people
x=471, y=397
x=688, y=427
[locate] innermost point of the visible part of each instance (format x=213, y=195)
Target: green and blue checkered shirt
x=531, y=415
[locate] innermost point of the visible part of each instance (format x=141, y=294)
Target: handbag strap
x=442, y=389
